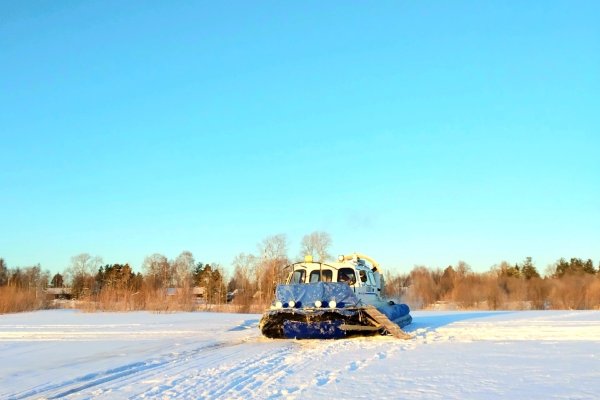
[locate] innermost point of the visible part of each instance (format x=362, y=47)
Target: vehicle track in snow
x=280, y=369
x=230, y=378
x=246, y=367
x=251, y=367
x=94, y=384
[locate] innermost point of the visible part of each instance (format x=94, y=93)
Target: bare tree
x=183, y=267
x=244, y=266
x=550, y=270
x=273, y=251
x=273, y=247
x=81, y=271
x=462, y=270
x=396, y=285
x=243, y=282
x=157, y=270
x=423, y=290
x=85, y=264
x=316, y=245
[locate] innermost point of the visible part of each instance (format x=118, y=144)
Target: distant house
x=198, y=292
x=58, y=293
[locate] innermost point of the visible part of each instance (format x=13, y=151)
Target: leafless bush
x=506, y=286
x=575, y=292
x=15, y=299
x=423, y=290
x=592, y=296
x=470, y=291
x=537, y=292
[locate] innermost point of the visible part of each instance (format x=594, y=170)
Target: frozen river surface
x=453, y=355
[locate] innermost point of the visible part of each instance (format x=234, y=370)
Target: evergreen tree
x=57, y=281
x=574, y=266
x=447, y=280
x=115, y=276
x=588, y=267
x=562, y=267
x=3, y=272
x=528, y=270
x=197, y=273
x=508, y=271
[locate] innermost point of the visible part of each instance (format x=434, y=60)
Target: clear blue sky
x=417, y=132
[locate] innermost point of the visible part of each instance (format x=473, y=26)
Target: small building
x=63, y=293
x=199, y=292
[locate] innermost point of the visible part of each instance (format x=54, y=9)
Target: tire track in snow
x=283, y=373
x=323, y=374
x=260, y=374
x=292, y=378
x=122, y=374
x=238, y=378
x=247, y=368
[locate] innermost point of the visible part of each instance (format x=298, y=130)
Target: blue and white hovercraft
x=334, y=300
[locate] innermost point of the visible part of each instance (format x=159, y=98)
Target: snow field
x=454, y=355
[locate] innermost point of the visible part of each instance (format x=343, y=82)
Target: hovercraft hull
x=341, y=313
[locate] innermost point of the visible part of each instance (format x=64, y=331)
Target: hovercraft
x=332, y=301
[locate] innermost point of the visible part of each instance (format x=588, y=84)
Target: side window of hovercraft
x=298, y=277
x=346, y=275
x=327, y=275
x=372, y=281
x=363, y=276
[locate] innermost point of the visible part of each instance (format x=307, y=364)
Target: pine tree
x=57, y=281
x=528, y=270
x=3, y=272
x=588, y=267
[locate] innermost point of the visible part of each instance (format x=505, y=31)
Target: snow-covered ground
x=454, y=355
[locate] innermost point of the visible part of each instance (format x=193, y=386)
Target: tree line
x=164, y=284
x=183, y=283
x=567, y=284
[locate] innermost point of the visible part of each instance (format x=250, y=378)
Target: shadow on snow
x=421, y=320
x=424, y=321
x=247, y=324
